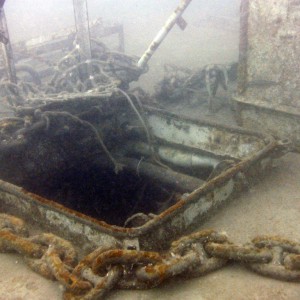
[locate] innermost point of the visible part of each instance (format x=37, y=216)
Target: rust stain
x=61, y=208
x=159, y=271
x=10, y=241
x=172, y=209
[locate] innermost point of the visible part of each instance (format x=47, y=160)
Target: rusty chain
x=110, y=267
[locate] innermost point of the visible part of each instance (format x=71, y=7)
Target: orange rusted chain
x=292, y=261
x=239, y=253
x=285, y=263
x=58, y=268
x=110, y=266
x=101, y=287
x=123, y=257
x=203, y=236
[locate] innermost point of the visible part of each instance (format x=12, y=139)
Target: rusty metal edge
x=265, y=106
x=208, y=123
x=120, y=232
x=217, y=181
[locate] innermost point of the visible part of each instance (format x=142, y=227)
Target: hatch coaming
x=190, y=208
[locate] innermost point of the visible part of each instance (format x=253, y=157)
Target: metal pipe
x=174, y=156
x=177, y=181
x=172, y=20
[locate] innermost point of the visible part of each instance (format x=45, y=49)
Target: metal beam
x=6, y=48
x=82, y=27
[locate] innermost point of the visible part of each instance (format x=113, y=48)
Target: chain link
x=109, y=267
x=285, y=261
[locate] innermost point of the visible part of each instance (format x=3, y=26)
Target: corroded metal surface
x=269, y=82
x=82, y=27
x=273, y=51
x=282, y=122
x=208, y=136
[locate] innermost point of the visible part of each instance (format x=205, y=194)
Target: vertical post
x=121, y=38
x=7, y=49
x=82, y=27
x=243, y=47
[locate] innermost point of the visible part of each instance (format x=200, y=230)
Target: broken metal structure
x=175, y=18
x=174, y=169
x=37, y=58
x=183, y=83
